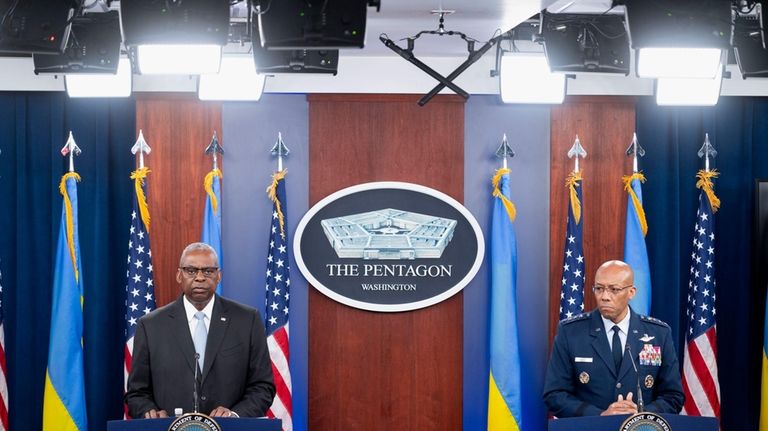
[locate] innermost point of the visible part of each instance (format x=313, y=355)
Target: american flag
x=277, y=299
x=572, y=289
x=3, y=369
x=702, y=391
x=139, y=289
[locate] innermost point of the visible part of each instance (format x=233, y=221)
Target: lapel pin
x=223, y=319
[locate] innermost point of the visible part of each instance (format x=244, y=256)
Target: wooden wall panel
x=605, y=126
x=385, y=371
x=177, y=127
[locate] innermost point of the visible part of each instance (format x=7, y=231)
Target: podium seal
x=194, y=422
x=645, y=422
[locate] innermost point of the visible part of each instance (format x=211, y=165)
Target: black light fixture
x=749, y=45
x=40, y=26
x=176, y=36
x=585, y=42
x=93, y=47
x=312, y=24
x=292, y=61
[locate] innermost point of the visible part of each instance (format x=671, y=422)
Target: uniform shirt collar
x=623, y=324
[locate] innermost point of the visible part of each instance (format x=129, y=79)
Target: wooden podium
x=227, y=424
x=613, y=423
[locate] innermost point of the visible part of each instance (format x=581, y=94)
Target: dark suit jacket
x=237, y=373
x=582, y=379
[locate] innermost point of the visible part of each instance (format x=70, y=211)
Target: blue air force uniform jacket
x=582, y=379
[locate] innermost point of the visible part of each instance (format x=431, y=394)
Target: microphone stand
x=640, y=404
x=197, y=405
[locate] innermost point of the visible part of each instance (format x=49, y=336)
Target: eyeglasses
x=191, y=271
x=598, y=289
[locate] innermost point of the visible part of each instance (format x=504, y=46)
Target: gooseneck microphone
x=194, y=392
x=640, y=404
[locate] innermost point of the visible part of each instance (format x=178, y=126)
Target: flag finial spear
x=707, y=151
x=141, y=147
x=505, y=151
x=214, y=149
x=71, y=149
x=280, y=150
x=635, y=151
x=575, y=152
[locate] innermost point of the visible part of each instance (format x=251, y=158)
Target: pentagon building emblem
x=388, y=246
x=389, y=234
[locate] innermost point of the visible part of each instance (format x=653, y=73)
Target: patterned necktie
x=200, y=338
x=616, y=348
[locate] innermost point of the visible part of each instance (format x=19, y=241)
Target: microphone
x=640, y=404
x=194, y=392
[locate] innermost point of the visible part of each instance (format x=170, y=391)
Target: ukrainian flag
x=764, y=394
x=212, y=215
x=64, y=403
x=504, y=399
x=635, y=251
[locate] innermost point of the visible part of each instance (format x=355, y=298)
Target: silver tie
x=200, y=338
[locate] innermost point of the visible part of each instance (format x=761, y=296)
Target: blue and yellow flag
x=504, y=390
x=764, y=394
x=212, y=216
x=635, y=251
x=64, y=403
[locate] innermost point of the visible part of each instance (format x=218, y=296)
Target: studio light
x=677, y=39
x=101, y=85
x=175, y=37
x=749, y=46
x=526, y=78
x=237, y=80
x=178, y=59
x=689, y=91
x=679, y=62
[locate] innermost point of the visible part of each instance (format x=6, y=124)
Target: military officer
x=591, y=372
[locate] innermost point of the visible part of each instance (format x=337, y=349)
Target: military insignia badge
x=584, y=377
x=650, y=355
x=194, y=422
x=646, y=338
x=649, y=381
x=645, y=421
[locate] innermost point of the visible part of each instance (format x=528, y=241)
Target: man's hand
x=154, y=414
x=621, y=407
x=223, y=412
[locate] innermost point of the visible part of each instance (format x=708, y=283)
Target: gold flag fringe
x=70, y=221
x=705, y=183
x=272, y=193
x=508, y=205
x=627, y=179
x=138, y=181
x=208, y=184
x=572, y=182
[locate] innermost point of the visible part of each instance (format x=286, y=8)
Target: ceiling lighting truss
x=444, y=81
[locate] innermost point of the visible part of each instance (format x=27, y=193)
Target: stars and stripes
x=139, y=288
x=572, y=287
x=277, y=299
x=3, y=369
x=700, y=382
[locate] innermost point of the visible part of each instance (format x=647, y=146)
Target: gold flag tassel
x=138, y=180
x=508, y=205
x=272, y=193
x=627, y=179
x=208, y=184
x=705, y=183
x=70, y=221
x=572, y=182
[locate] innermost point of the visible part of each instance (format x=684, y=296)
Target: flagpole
x=504, y=151
x=140, y=148
x=280, y=150
x=214, y=149
x=575, y=152
x=635, y=151
x=71, y=149
x=707, y=150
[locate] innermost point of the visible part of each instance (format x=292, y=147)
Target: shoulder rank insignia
x=576, y=318
x=653, y=320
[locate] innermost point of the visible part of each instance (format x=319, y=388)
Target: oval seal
x=194, y=422
x=388, y=246
x=645, y=421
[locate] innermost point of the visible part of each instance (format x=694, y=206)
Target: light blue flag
x=64, y=400
x=504, y=397
x=212, y=216
x=635, y=251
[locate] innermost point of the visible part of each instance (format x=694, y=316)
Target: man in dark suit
x=591, y=372
x=224, y=340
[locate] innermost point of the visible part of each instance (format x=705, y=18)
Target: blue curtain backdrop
x=33, y=128
x=738, y=129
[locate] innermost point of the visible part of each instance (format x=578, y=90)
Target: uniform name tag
x=578, y=359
